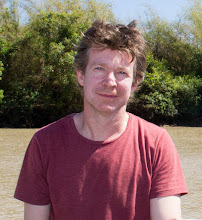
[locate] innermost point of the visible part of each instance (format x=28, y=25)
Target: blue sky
x=127, y=10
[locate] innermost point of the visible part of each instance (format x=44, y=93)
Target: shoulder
x=56, y=127
x=145, y=128
x=153, y=137
x=52, y=134
x=51, y=137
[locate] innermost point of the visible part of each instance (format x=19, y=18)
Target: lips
x=106, y=95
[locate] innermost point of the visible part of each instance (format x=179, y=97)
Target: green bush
x=43, y=81
x=153, y=101
x=188, y=97
x=164, y=98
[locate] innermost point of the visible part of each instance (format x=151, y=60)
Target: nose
x=109, y=80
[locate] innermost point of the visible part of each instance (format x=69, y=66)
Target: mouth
x=109, y=96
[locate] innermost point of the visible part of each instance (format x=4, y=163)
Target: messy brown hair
x=115, y=37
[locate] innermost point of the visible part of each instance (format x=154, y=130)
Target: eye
x=98, y=68
x=122, y=72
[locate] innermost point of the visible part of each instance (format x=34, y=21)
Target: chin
x=106, y=110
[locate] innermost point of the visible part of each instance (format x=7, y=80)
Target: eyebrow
x=95, y=63
x=121, y=67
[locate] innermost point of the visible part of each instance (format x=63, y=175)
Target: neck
x=101, y=127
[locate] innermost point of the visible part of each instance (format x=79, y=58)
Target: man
x=103, y=163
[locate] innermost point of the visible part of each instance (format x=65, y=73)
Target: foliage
x=163, y=98
x=188, y=97
x=171, y=92
x=41, y=69
x=192, y=23
x=36, y=59
x=153, y=101
x=9, y=22
x=88, y=10
x=165, y=42
x=39, y=79
x=9, y=32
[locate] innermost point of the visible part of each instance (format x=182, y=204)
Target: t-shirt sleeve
x=32, y=186
x=167, y=175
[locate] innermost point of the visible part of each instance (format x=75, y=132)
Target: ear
x=80, y=77
x=134, y=86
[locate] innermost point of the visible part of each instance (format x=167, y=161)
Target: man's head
x=105, y=35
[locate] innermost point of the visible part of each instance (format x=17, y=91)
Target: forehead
x=108, y=56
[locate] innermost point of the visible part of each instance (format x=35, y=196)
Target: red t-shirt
x=94, y=180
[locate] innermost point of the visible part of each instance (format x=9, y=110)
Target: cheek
x=90, y=85
x=93, y=83
x=126, y=86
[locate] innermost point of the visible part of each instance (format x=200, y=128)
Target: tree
x=9, y=32
x=39, y=74
x=192, y=23
x=165, y=43
x=191, y=30
x=9, y=22
x=171, y=91
x=154, y=99
x=88, y=10
x=178, y=42
x=41, y=68
x=163, y=98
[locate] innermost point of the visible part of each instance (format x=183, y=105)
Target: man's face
x=107, y=81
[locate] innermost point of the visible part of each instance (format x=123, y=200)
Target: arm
x=166, y=208
x=33, y=212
